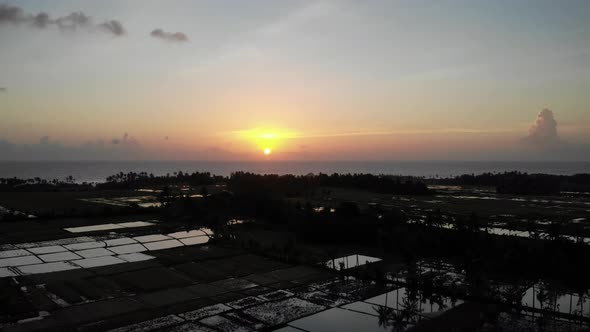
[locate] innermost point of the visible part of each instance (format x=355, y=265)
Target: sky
x=297, y=79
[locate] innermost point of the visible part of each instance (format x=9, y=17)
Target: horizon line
x=298, y=161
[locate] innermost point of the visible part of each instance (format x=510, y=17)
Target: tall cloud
x=169, y=36
x=544, y=131
x=75, y=21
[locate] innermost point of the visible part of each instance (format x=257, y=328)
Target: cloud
x=543, y=132
x=11, y=14
x=169, y=36
x=125, y=140
x=44, y=140
x=124, y=148
x=72, y=22
x=285, y=134
x=3, y=89
x=75, y=21
x=544, y=143
x=113, y=27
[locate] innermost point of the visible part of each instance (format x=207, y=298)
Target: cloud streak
x=178, y=37
x=261, y=133
x=126, y=148
x=75, y=21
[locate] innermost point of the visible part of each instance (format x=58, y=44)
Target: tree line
x=521, y=183
x=296, y=185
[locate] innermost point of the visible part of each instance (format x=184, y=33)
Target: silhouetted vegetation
x=522, y=183
x=133, y=180
x=39, y=184
x=292, y=185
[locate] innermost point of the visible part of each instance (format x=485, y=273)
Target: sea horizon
x=98, y=170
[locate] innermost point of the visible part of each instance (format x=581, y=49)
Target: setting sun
x=265, y=140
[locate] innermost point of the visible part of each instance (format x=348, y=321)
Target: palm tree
x=389, y=317
x=513, y=295
x=398, y=321
x=384, y=315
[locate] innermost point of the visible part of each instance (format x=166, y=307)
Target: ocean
x=97, y=171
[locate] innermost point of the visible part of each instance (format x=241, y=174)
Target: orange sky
x=379, y=80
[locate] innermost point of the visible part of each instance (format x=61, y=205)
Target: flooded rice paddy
x=349, y=262
x=531, y=217
x=141, y=201
x=88, y=252
x=108, y=227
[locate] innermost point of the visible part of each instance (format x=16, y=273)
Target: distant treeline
x=293, y=185
x=240, y=182
x=289, y=185
x=133, y=180
x=39, y=184
x=522, y=183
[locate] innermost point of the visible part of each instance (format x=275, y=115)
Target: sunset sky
x=306, y=80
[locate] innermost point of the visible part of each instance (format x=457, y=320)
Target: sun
x=265, y=140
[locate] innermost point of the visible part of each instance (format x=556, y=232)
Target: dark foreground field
x=243, y=255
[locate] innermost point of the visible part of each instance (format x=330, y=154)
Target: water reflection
x=530, y=321
x=337, y=319
x=544, y=299
x=414, y=302
x=349, y=262
x=548, y=297
x=10, y=212
x=397, y=310
x=89, y=252
x=141, y=201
